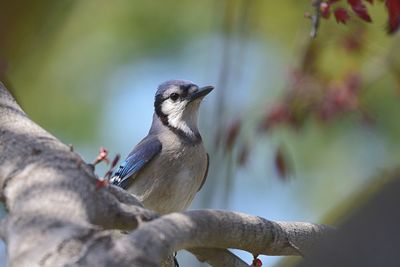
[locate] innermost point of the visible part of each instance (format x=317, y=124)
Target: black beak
x=202, y=92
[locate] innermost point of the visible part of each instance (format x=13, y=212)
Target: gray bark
x=58, y=217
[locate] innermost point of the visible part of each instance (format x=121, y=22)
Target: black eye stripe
x=183, y=92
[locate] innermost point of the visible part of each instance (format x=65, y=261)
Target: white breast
x=171, y=180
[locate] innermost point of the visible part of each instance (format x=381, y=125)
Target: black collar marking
x=164, y=119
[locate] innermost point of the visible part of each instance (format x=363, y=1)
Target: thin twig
x=315, y=18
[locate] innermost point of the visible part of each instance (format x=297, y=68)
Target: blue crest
x=168, y=84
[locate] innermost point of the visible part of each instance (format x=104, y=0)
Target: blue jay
x=169, y=166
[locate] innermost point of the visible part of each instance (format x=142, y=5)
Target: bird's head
x=177, y=103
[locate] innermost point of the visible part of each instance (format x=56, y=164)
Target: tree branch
x=315, y=18
x=58, y=217
x=218, y=229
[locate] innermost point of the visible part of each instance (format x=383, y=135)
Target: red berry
x=100, y=183
x=257, y=263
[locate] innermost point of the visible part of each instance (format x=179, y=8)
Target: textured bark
x=58, y=217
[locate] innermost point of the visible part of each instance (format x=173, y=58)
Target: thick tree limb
x=58, y=217
x=219, y=229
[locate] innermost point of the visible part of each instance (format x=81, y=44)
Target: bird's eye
x=174, y=96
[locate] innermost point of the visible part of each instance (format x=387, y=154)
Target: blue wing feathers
x=142, y=154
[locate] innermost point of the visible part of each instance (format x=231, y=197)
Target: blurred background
x=295, y=128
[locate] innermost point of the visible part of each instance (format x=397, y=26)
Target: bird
x=170, y=165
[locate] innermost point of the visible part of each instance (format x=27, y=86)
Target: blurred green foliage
x=59, y=53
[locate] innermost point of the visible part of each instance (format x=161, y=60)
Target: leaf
x=393, y=9
x=243, y=154
x=232, y=134
x=279, y=113
x=282, y=164
x=341, y=15
x=360, y=9
x=325, y=10
x=256, y=263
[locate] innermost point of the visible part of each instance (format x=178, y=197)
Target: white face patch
x=182, y=115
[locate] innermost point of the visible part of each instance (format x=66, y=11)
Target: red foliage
x=308, y=95
x=341, y=97
x=360, y=9
x=354, y=41
x=325, y=13
x=256, y=263
x=115, y=160
x=393, y=9
x=279, y=113
x=243, y=155
x=108, y=174
x=103, y=156
x=281, y=164
x=341, y=15
x=233, y=132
